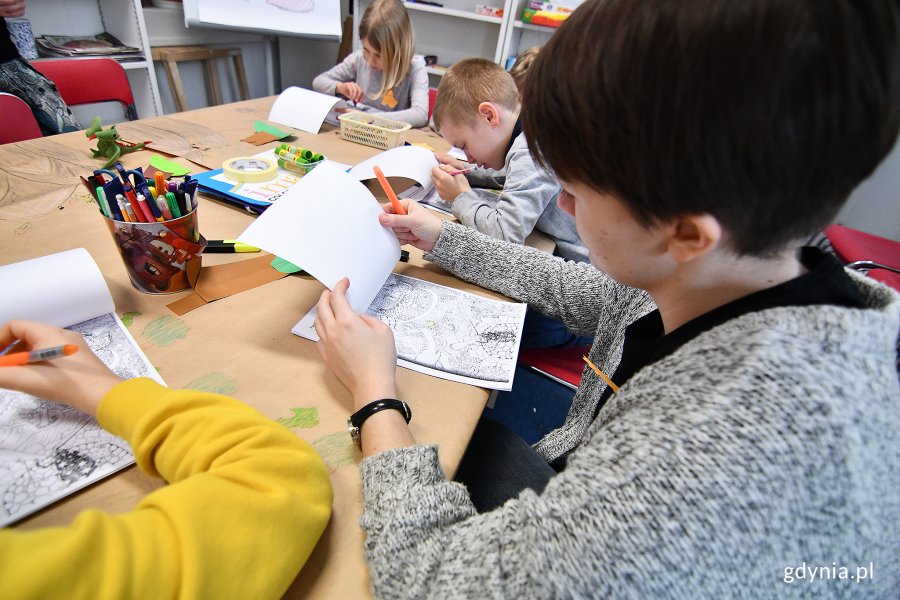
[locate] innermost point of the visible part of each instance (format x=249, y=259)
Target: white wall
x=874, y=206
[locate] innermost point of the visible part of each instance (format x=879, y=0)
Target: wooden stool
x=172, y=55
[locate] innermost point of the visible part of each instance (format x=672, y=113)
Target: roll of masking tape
x=250, y=169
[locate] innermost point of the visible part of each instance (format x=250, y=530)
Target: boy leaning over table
x=478, y=109
x=698, y=143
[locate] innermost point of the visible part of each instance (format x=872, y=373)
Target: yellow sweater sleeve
x=246, y=504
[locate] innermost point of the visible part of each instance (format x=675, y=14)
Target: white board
x=319, y=19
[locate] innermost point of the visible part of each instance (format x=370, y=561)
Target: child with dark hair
x=754, y=426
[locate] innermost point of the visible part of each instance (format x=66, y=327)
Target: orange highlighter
x=17, y=359
x=395, y=202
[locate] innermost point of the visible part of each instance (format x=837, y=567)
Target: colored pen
x=131, y=213
x=227, y=247
x=164, y=207
x=17, y=359
x=120, y=200
x=460, y=171
x=602, y=375
x=160, y=181
x=395, y=202
x=146, y=213
x=104, y=205
x=173, y=205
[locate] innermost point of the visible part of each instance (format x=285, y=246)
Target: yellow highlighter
x=227, y=247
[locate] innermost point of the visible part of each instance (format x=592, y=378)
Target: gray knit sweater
x=411, y=94
x=527, y=202
x=767, y=443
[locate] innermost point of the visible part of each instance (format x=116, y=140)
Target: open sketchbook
x=48, y=450
x=329, y=224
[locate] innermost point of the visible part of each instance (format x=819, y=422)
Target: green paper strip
x=283, y=266
x=169, y=166
x=270, y=129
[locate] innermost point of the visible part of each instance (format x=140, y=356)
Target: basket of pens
x=154, y=224
x=298, y=160
x=370, y=130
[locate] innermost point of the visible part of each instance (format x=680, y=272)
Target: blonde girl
x=383, y=75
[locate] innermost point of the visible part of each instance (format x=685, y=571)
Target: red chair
x=18, y=123
x=432, y=95
x=89, y=80
x=562, y=365
x=878, y=257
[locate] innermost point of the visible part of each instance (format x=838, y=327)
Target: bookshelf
x=124, y=19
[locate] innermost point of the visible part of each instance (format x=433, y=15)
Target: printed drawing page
x=48, y=450
x=412, y=162
x=328, y=224
x=444, y=332
x=302, y=108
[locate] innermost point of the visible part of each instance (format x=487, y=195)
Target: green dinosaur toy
x=109, y=144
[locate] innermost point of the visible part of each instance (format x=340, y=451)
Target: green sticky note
x=168, y=166
x=283, y=266
x=270, y=129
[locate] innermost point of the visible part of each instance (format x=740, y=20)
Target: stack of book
x=84, y=46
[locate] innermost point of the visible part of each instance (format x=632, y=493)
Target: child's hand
x=80, y=380
x=351, y=91
x=447, y=185
x=419, y=227
x=446, y=159
x=358, y=349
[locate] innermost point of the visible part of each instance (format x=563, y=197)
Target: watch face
x=354, y=433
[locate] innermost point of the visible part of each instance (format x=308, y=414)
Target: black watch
x=359, y=417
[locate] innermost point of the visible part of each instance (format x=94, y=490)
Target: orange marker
x=17, y=359
x=395, y=202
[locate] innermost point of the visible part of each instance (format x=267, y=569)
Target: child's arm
x=512, y=215
x=346, y=71
x=246, y=495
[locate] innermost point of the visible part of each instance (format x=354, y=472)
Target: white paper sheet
x=302, y=109
x=80, y=291
x=328, y=225
x=47, y=450
x=412, y=162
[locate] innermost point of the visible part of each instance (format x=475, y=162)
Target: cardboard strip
x=213, y=283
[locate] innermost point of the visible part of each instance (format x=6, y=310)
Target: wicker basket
x=373, y=131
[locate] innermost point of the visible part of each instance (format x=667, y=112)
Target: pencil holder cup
x=157, y=255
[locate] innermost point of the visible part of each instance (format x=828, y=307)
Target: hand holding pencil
x=69, y=372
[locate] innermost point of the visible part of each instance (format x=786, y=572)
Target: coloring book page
x=445, y=332
x=48, y=450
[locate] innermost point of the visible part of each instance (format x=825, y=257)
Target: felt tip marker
x=228, y=247
x=460, y=171
x=17, y=359
x=386, y=186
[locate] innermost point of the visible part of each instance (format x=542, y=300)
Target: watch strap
x=359, y=417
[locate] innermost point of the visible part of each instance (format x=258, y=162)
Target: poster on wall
x=320, y=19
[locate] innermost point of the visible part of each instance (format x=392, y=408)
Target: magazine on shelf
x=102, y=44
